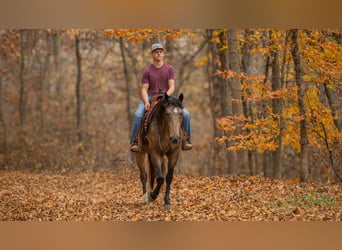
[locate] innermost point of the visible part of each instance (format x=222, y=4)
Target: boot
x=135, y=146
x=186, y=144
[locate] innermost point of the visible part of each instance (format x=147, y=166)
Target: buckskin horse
x=160, y=140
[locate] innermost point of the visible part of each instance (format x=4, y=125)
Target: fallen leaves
x=108, y=196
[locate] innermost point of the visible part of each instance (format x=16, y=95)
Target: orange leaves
x=246, y=134
x=226, y=74
x=138, y=35
x=114, y=196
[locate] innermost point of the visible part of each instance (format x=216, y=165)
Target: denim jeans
x=139, y=114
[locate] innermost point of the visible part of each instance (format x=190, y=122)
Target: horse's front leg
x=140, y=159
x=169, y=176
x=172, y=160
x=156, y=167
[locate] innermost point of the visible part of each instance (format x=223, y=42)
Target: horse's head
x=174, y=116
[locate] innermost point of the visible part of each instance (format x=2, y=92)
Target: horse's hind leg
x=140, y=159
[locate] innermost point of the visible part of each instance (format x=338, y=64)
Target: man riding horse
x=158, y=78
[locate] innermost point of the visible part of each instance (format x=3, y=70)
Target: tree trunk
x=4, y=130
x=21, y=79
x=225, y=99
x=78, y=89
x=215, y=105
x=128, y=88
x=41, y=79
x=304, y=163
x=235, y=88
x=267, y=155
x=333, y=104
x=281, y=105
x=247, y=105
x=276, y=109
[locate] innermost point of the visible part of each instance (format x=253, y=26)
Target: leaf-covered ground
x=117, y=196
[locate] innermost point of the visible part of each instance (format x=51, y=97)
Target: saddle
x=149, y=114
x=146, y=120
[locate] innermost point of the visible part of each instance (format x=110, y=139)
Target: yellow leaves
x=202, y=61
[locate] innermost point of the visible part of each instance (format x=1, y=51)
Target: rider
x=157, y=77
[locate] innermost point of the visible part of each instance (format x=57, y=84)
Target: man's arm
x=144, y=95
x=171, y=87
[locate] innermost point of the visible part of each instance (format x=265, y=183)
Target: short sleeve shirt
x=158, y=78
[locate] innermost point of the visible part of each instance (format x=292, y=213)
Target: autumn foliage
x=67, y=97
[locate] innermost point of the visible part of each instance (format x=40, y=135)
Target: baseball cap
x=156, y=46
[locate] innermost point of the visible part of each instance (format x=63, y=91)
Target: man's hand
x=147, y=106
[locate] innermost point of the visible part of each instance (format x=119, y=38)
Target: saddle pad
x=149, y=114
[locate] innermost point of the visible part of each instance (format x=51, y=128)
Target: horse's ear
x=181, y=97
x=166, y=96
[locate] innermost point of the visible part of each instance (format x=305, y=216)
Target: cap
x=156, y=46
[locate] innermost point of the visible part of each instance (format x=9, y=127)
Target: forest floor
x=116, y=196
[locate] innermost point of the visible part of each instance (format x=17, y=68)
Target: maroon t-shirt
x=158, y=78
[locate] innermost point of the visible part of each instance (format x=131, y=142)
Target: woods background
x=271, y=97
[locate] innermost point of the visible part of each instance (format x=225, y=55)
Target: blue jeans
x=139, y=114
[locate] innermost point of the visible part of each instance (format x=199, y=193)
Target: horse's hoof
x=145, y=199
x=150, y=197
x=167, y=207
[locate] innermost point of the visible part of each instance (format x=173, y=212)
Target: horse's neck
x=162, y=125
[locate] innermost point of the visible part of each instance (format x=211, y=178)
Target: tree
x=21, y=78
x=4, y=129
x=304, y=164
x=277, y=112
x=78, y=90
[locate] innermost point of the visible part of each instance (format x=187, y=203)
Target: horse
x=161, y=142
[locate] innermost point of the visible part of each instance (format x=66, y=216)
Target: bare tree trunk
x=56, y=48
x=4, y=129
x=128, y=88
x=304, y=163
x=42, y=77
x=78, y=89
x=21, y=79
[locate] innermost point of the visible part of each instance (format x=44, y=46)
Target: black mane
x=175, y=102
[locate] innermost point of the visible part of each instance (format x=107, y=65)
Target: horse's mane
x=172, y=101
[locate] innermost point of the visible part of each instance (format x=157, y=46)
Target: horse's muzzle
x=174, y=139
